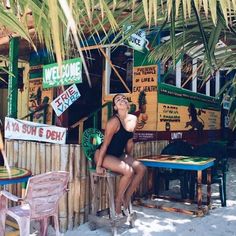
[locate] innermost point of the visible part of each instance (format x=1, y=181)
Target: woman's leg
x=119, y=166
x=139, y=171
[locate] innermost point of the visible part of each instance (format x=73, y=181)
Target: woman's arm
x=129, y=147
x=130, y=144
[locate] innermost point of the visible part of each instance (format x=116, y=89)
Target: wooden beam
x=115, y=70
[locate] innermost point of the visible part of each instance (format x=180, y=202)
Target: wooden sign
x=64, y=100
x=71, y=73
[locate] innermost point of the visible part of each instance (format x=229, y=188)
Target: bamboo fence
x=75, y=206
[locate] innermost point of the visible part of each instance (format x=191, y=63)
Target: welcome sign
x=71, y=73
x=64, y=100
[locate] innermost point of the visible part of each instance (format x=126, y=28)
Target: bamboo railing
x=43, y=157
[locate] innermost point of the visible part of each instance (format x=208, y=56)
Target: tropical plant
x=204, y=28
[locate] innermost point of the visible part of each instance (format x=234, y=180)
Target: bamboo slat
x=42, y=157
x=20, y=154
x=33, y=158
x=38, y=159
x=63, y=206
x=55, y=152
x=24, y=153
x=27, y=161
x=83, y=168
x=15, y=152
x=71, y=193
x=48, y=157
x=77, y=187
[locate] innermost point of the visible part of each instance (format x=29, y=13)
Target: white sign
x=64, y=100
x=26, y=130
x=137, y=40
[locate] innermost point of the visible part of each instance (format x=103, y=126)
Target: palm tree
x=194, y=25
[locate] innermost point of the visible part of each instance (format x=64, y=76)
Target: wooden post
x=13, y=77
x=63, y=156
x=199, y=189
x=208, y=186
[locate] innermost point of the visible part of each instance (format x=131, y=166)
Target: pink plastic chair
x=40, y=202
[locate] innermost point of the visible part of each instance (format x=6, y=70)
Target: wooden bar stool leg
x=95, y=198
x=110, y=185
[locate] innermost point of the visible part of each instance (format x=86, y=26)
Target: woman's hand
x=100, y=170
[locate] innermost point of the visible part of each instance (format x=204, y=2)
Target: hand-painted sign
x=182, y=110
x=26, y=130
x=71, y=73
x=137, y=40
x=144, y=96
x=38, y=101
x=64, y=100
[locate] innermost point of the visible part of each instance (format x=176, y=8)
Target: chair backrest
x=44, y=192
x=215, y=150
x=178, y=147
x=91, y=139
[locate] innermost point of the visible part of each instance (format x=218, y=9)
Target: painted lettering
x=40, y=132
x=15, y=127
x=71, y=91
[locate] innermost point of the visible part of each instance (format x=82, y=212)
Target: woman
x=114, y=153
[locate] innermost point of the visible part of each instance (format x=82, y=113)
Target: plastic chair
x=3, y=209
x=39, y=203
x=177, y=147
x=91, y=140
x=218, y=171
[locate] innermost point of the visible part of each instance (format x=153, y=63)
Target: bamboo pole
x=77, y=185
x=23, y=154
x=33, y=158
x=115, y=70
x=37, y=159
x=15, y=153
x=71, y=193
x=56, y=156
x=82, y=187
x=42, y=157
x=48, y=157
x=27, y=161
x=64, y=154
x=87, y=202
x=19, y=164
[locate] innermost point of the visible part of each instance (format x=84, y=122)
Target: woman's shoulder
x=113, y=120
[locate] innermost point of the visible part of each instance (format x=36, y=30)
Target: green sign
x=71, y=73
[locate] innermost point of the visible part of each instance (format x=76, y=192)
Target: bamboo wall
x=44, y=157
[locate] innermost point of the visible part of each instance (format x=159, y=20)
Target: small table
x=185, y=163
x=18, y=175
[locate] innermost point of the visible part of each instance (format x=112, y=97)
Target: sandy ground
x=221, y=221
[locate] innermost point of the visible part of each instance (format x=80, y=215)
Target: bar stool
x=91, y=139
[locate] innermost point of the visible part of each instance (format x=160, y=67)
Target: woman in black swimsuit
x=114, y=153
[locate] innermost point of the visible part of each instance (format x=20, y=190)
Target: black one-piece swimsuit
x=119, y=141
